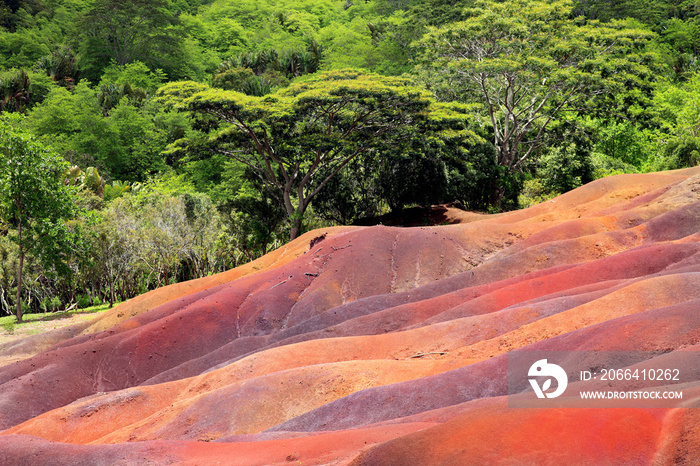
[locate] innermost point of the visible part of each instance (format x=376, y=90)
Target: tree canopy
x=527, y=62
x=124, y=32
x=33, y=199
x=298, y=139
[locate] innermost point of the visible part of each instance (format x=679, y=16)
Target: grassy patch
x=9, y=323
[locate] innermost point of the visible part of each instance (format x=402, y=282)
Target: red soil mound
x=383, y=345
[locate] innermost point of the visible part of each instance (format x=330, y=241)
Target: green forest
x=144, y=143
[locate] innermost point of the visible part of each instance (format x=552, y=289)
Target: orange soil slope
x=382, y=345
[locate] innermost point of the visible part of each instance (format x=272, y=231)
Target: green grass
x=9, y=323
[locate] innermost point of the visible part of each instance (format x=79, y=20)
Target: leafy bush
x=563, y=168
x=51, y=304
x=679, y=152
x=84, y=301
x=534, y=192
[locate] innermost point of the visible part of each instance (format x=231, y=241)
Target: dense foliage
x=178, y=138
x=34, y=201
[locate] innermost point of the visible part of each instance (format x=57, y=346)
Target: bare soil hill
x=386, y=345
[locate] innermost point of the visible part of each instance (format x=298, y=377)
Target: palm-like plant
x=14, y=92
x=60, y=66
x=110, y=94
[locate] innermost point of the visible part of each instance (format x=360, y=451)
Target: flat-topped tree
x=297, y=139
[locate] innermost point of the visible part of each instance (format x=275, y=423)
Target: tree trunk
x=295, y=216
x=497, y=193
x=19, y=273
x=295, y=220
x=111, y=293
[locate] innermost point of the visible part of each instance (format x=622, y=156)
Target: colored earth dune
x=384, y=346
